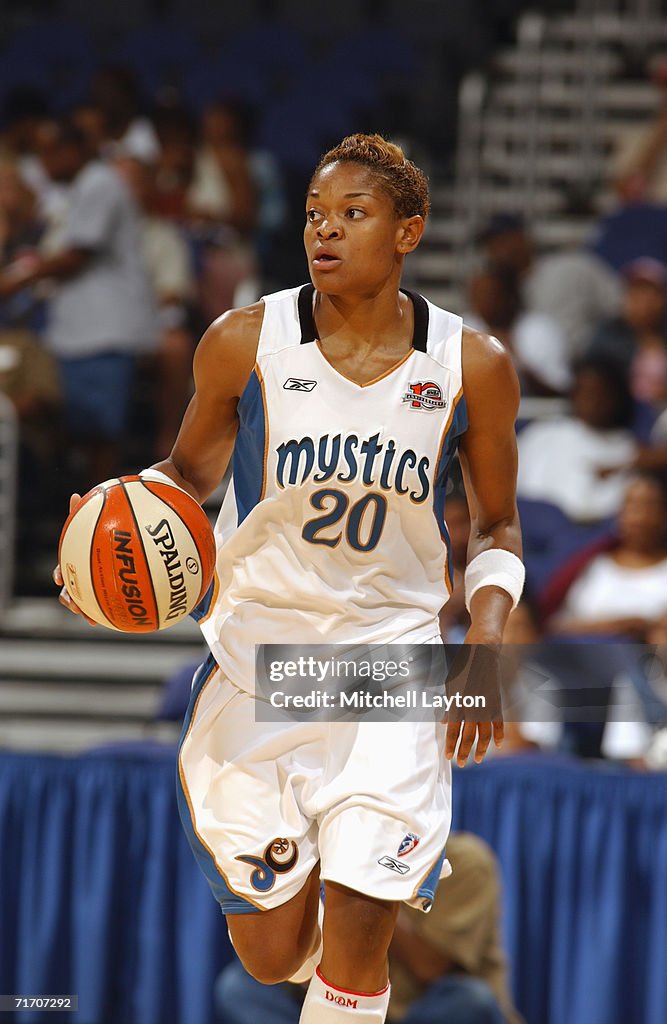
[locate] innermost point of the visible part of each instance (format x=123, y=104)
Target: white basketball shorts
x=263, y=802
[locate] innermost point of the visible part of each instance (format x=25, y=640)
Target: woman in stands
x=621, y=590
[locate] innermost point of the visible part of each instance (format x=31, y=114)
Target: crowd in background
x=126, y=227
x=121, y=238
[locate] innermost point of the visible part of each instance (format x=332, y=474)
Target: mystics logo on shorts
x=280, y=856
x=425, y=394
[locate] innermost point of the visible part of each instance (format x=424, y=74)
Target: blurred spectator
x=535, y=342
x=102, y=313
x=532, y=722
x=270, y=221
x=24, y=109
x=507, y=245
x=29, y=378
x=26, y=113
x=222, y=189
x=90, y=120
x=574, y=288
x=638, y=227
x=21, y=231
x=28, y=374
x=575, y=462
x=610, y=594
x=620, y=589
x=176, y=134
x=241, y=186
x=635, y=730
x=638, y=337
x=447, y=965
x=639, y=161
x=115, y=94
x=221, y=200
x=169, y=266
x=454, y=617
x=659, y=431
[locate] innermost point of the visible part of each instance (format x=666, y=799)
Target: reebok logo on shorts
x=394, y=865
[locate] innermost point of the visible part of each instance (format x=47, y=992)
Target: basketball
x=137, y=554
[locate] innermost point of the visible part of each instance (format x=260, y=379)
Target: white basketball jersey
x=332, y=530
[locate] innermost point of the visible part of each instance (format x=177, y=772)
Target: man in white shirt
x=103, y=312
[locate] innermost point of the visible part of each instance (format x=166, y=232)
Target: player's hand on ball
x=64, y=598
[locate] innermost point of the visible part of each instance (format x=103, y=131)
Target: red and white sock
x=327, y=1004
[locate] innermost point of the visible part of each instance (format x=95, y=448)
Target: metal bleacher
x=537, y=130
x=67, y=687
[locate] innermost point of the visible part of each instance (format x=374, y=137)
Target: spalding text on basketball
x=165, y=542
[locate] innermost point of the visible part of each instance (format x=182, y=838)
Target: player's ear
x=409, y=235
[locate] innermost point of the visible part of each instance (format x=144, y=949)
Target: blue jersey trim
x=450, y=443
x=248, y=464
x=204, y=605
x=427, y=889
x=230, y=902
x=248, y=461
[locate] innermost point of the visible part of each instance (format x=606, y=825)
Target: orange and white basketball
x=137, y=554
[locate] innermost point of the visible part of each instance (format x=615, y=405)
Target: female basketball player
x=343, y=403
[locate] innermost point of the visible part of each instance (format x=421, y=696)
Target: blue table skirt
x=101, y=896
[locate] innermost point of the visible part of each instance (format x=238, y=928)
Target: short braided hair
x=405, y=183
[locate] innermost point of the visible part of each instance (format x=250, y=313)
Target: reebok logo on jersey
x=408, y=844
x=295, y=384
x=394, y=865
x=425, y=394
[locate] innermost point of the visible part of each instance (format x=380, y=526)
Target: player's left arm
x=488, y=456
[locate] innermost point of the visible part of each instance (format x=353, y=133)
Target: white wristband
x=495, y=568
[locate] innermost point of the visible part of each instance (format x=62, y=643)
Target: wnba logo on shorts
x=280, y=856
x=408, y=844
x=339, y=1000
x=425, y=394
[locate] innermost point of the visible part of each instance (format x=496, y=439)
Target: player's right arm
x=222, y=365
x=223, y=362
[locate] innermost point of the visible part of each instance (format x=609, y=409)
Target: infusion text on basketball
x=127, y=574
x=344, y=459
x=165, y=542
